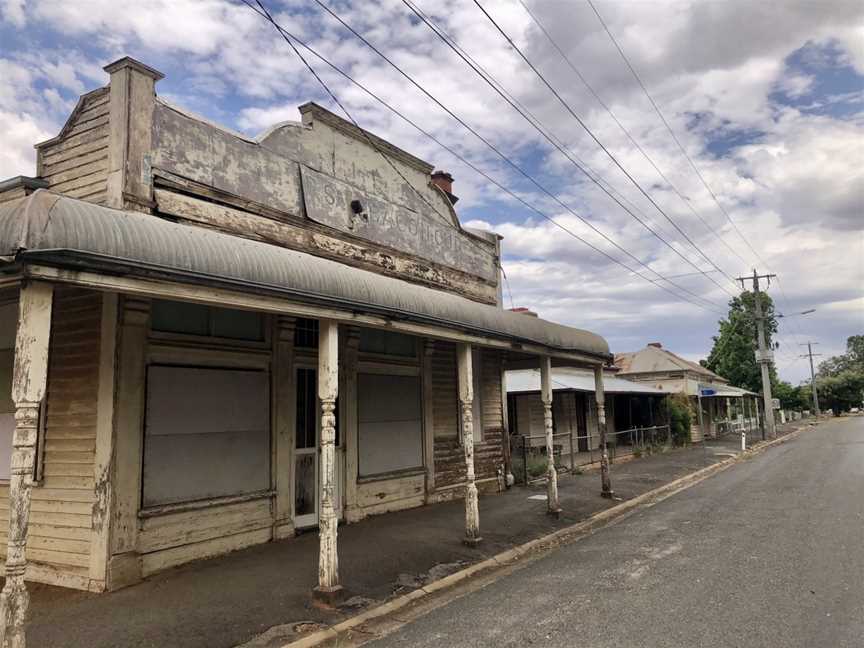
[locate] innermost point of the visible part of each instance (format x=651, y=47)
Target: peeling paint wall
x=324, y=176
x=59, y=538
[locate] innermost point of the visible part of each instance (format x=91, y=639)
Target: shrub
x=680, y=418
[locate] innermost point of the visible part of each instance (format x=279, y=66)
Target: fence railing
x=528, y=453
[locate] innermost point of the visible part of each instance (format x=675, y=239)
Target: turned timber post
x=553, y=506
x=28, y=388
x=466, y=407
x=328, y=589
x=600, y=395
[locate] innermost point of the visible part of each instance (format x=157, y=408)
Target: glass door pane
x=306, y=453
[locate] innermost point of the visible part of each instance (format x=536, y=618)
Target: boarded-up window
x=207, y=433
x=390, y=426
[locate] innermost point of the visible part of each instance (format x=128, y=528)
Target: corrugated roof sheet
x=45, y=227
x=563, y=378
x=652, y=359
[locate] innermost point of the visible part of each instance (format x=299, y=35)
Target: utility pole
x=810, y=355
x=763, y=355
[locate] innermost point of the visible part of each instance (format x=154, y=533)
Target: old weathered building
x=710, y=395
x=212, y=341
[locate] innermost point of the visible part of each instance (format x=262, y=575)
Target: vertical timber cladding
x=448, y=456
x=59, y=536
x=75, y=163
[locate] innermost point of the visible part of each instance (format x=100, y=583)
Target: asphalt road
x=769, y=553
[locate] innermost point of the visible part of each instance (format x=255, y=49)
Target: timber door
x=307, y=463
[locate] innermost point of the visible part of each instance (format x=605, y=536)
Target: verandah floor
x=226, y=601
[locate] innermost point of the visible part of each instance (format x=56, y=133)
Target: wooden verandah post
x=466, y=406
x=552, y=504
x=600, y=395
x=328, y=589
x=28, y=388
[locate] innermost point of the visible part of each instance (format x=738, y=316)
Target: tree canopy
x=733, y=354
x=840, y=381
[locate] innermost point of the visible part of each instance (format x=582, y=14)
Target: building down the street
x=712, y=398
x=212, y=341
x=636, y=415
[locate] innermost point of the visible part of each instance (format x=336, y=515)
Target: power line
x=506, y=159
x=369, y=140
x=526, y=113
x=289, y=37
x=672, y=132
x=686, y=155
x=603, y=147
x=538, y=126
x=624, y=130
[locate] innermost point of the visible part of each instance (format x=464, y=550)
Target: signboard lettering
x=329, y=202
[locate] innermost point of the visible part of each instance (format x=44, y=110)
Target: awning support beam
x=329, y=589
x=466, y=406
x=29, y=378
x=600, y=395
x=553, y=506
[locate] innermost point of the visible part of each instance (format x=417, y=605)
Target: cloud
x=731, y=78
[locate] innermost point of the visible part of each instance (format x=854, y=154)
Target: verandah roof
x=48, y=229
x=567, y=379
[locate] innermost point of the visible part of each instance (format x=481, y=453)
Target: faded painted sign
x=344, y=207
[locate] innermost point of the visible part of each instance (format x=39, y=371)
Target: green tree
x=793, y=398
x=840, y=381
x=733, y=355
x=852, y=360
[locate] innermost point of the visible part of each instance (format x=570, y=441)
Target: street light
x=806, y=312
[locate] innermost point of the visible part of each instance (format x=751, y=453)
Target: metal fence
x=529, y=458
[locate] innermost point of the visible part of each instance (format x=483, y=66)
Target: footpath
x=260, y=597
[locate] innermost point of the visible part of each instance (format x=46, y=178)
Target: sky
x=766, y=99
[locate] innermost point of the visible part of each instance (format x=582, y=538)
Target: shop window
x=206, y=434
x=387, y=343
x=390, y=427
x=207, y=321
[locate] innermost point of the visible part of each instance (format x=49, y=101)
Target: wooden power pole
x=810, y=355
x=764, y=355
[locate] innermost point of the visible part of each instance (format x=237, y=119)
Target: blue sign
x=706, y=391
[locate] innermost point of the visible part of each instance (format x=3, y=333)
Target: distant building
x=668, y=371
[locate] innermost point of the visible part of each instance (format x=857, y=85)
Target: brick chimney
x=656, y=345
x=444, y=181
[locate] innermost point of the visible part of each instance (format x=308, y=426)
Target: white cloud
x=794, y=187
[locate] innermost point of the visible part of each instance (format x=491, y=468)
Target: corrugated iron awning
x=566, y=379
x=49, y=229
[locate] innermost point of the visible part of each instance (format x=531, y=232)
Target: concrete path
x=769, y=553
x=233, y=599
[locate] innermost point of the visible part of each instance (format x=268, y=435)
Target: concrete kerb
x=571, y=533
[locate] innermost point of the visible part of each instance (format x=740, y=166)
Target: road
x=769, y=553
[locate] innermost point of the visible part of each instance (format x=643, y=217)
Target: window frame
x=198, y=340
x=169, y=352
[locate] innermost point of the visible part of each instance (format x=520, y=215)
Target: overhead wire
x=683, y=150
x=687, y=203
x=289, y=37
x=560, y=146
x=603, y=147
x=496, y=150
